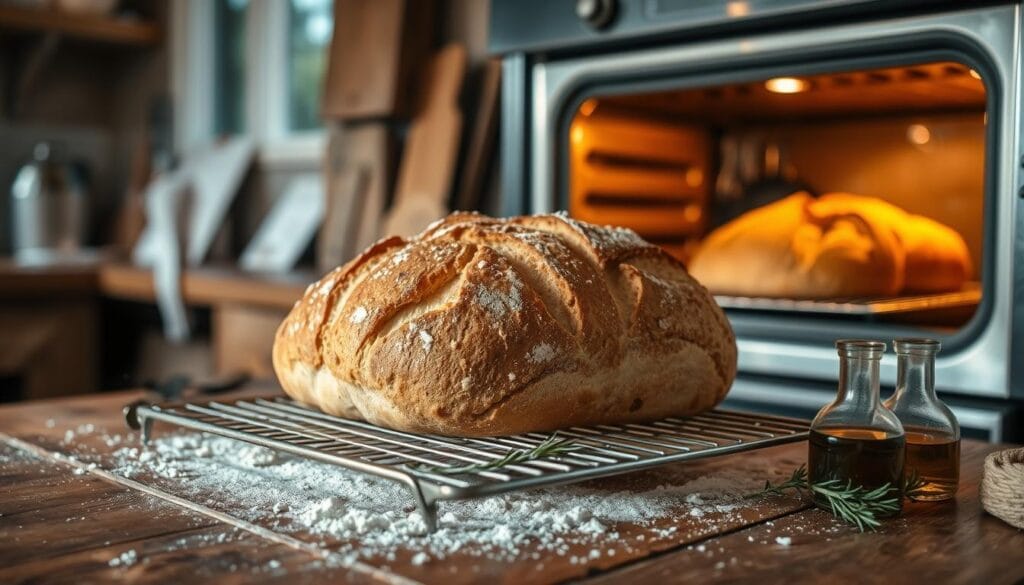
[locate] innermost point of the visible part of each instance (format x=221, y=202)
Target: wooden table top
x=62, y=520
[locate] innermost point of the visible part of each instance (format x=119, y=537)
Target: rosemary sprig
x=551, y=446
x=853, y=504
x=856, y=505
x=797, y=481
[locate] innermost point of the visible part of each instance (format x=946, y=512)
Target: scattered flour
x=125, y=559
x=426, y=339
x=541, y=353
x=362, y=516
x=500, y=303
x=326, y=285
x=783, y=540
x=400, y=257
x=359, y=315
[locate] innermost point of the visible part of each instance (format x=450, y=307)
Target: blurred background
x=175, y=172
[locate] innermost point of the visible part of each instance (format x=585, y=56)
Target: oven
x=677, y=117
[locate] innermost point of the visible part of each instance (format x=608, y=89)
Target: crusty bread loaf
x=838, y=245
x=485, y=327
x=792, y=248
x=937, y=258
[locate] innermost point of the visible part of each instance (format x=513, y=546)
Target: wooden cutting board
x=431, y=150
x=376, y=51
x=357, y=180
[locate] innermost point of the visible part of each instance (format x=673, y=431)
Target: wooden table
x=61, y=521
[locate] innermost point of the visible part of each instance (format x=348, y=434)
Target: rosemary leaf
x=852, y=504
x=552, y=446
x=797, y=481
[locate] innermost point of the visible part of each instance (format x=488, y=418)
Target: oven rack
x=603, y=450
x=970, y=296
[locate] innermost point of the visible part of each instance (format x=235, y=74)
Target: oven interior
x=678, y=163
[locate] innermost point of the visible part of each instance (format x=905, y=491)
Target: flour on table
x=363, y=516
x=125, y=559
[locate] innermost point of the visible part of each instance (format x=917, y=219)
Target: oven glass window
x=854, y=194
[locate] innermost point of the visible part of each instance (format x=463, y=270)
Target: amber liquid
x=937, y=461
x=863, y=457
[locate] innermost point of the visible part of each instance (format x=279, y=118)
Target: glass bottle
x=931, y=429
x=855, y=439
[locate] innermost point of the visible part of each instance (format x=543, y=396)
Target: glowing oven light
x=786, y=85
x=587, y=107
x=918, y=134
x=737, y=9
x=577, y=134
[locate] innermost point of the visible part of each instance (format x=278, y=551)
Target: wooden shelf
x=21, y=281
x=102, y=29
x=209, y=286
x=205, y=286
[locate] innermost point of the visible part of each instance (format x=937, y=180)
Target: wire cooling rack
x=603, y=450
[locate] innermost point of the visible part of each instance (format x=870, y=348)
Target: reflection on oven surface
x=799, y=192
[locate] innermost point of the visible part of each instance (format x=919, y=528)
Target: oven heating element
x=603, y=450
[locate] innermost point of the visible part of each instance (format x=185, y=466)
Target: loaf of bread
x=937, y=258
x=481, y=327
x=838, y=245
x=793, y=249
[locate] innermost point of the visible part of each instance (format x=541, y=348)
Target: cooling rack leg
x=427, y=506
x=147, y=430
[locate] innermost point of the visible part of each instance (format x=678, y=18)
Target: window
x=229, y=66
x=309, y=33
x=253, y=67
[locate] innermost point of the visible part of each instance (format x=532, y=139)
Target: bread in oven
x=937, y=258
x=794, y=249
x=481, y=326
x=838, y=245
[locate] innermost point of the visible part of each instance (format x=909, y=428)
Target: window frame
x=266, y=87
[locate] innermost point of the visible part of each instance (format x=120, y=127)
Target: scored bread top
x=458, y=320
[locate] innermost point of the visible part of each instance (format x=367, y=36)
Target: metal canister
x=48, y=204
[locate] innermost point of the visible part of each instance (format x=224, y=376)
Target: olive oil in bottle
x=936, y=459
x=855, y=439
x=864, y=457
x=932, y=431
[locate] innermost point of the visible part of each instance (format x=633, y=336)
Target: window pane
x=229, y=66
x=310, y=23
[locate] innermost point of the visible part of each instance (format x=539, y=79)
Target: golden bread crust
x=483, y=327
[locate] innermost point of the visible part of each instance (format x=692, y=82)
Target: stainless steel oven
x=672, y=117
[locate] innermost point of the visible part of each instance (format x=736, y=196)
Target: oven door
x=978, y=356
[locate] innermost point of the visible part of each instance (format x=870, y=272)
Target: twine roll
x=1002, y=486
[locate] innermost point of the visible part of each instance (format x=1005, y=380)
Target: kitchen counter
x=66, y=517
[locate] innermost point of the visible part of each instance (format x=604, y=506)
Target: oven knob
x=596, y=13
